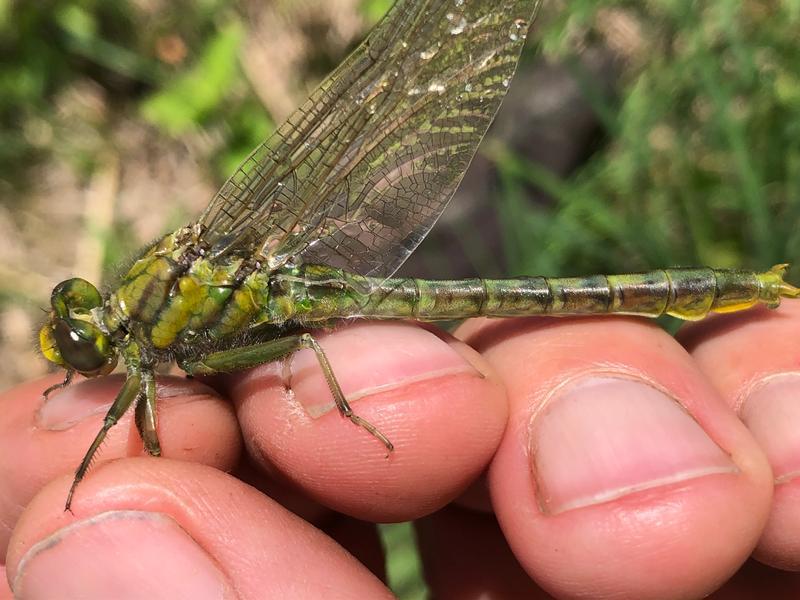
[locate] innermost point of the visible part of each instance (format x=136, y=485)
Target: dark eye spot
x=77, y=351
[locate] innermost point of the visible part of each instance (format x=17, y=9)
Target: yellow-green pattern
x=170, y=295
x=173, y=296
x=313, y=224
x=685, y=293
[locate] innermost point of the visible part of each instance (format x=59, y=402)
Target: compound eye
x=74, y=295
x=49, y=346
x=81, y=345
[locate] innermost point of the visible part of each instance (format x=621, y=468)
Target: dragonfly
x=310, y=229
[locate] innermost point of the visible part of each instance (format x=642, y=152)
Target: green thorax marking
x=172, y=294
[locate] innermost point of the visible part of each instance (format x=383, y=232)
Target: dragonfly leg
x=236, y=359
x=129, y=392
x=308, y=341
x=146, y=414
x=58, y=386
x=250, y=356
x=286, y=371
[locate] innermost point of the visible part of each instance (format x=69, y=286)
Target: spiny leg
x=250, y=356
x=58, y=386
x=307, y=341
x=146, y=418
x=129, y=392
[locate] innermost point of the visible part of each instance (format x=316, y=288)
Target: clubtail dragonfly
x=311, y=227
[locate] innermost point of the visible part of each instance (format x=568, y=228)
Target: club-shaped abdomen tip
x=785, y=289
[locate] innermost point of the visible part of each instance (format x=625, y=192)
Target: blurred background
x=636, y=134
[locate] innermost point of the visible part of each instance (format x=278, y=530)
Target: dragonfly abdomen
x=685, y=293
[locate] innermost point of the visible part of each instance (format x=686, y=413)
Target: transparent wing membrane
x=358, y=175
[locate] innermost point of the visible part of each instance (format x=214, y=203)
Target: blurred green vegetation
x=176, y=66
x=404, y=573
x=699, y=161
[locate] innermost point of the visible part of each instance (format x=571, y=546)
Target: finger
x=359, y=538
x=167, y=529
x=621, y=473
x=753, y=359
x=426, y=392
x=5, y=591
x=466, y=556
x=281, y=491
x=42, y=440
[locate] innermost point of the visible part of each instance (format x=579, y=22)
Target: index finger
x=431, y=395
x=40, y=440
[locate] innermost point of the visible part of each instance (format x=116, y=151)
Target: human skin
x=617, y=462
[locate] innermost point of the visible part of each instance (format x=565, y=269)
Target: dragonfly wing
x=359, y=174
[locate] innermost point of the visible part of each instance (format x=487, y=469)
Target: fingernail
x=363, y=367
x=772, y=413
x=67, y=407
x=605, y=437
x=120, y=554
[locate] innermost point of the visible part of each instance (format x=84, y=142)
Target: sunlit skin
x=240, y=287
x=303, y=239
x=450, y=423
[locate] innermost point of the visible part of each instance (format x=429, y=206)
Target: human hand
x=618, y=467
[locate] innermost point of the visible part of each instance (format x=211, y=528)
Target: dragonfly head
x=72, y=337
